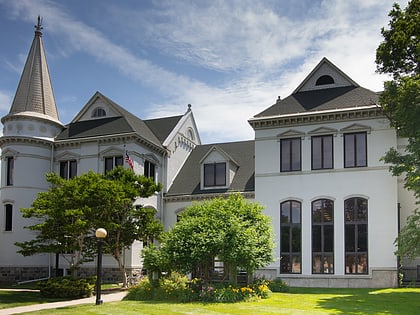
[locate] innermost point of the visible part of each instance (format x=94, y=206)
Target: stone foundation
x=22, y=274
x=377, y=279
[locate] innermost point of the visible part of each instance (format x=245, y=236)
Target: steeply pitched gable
x=119, y=121
x=325, y=88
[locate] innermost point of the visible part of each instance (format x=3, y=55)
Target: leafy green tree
x=124, y=220
x=62, y=219
x=68, y=214
x=408, y=240
x=232, y=230
x=399, y=55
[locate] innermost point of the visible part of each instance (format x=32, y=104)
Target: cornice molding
x=16, y=139
x=315, y=118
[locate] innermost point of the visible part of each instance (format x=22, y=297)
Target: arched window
x=356, y=235
x=324, y=80
x=291, y=237
x=323, y=236
x=98, y=112
x=190, y=134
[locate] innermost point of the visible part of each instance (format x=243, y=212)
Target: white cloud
x=264, y=48
x=5, y=101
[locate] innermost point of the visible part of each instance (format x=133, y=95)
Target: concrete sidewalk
x=109, y=297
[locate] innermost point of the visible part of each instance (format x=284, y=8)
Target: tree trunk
x=121, y=267
x=233, y=274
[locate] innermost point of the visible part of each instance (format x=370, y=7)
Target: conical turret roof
x=34, y=95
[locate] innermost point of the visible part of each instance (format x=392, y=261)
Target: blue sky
x=230, y=59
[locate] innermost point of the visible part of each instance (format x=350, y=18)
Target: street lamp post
x=100, y=235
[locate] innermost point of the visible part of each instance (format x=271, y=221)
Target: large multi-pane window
x=323, y=236
x=8, y=217
x=113, y=161
x=215, y=174
x=355, y=149
x=356, y=235
x=149, y=169
x=9, y=171
x=290, y=155
x=322, y=152
x=291, y=237
x=68, y=169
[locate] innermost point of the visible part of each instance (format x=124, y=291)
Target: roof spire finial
x=39, y=27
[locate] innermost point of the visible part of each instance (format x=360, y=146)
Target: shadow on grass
x=14, y=298
x=369, y=301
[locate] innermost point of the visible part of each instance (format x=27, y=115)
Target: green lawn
x=20, y=298
x=298, y=301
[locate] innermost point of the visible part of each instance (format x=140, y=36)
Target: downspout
x=399, y=267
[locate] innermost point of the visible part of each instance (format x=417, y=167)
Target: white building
x=318, y=171
x=315, y=165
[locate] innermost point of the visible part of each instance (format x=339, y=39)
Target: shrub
x=173, y=287
x=143, y=291
x=67, y=287
x=176, y=287
x=278, y=285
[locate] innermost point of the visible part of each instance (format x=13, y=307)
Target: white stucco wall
x=373, y=182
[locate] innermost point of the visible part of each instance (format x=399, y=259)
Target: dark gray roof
x=162, y=127
x=187, y=181
x=95, y=127
x=154, y=131
x=322, y=99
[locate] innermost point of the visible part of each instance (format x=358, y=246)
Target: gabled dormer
x=217, y=169
x=227, y=167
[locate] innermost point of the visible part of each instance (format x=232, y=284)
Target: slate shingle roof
x=154, y=131
x=162, y=127
x=34, y=93
x=322, y=99
x=188, y=179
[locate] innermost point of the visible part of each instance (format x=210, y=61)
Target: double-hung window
x=355, y=149
x=149, y=169
x=322, y=152
x=112, y=162
x=215, y=174
x=68, y=169
x=290, y=155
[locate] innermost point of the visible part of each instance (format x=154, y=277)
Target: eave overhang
x=316, y=117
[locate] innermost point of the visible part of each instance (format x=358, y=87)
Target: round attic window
x=98, y=112
x=325, y=79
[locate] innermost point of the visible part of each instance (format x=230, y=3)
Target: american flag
x=129, y=161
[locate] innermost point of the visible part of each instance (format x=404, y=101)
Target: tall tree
x=67, y=215
x=62, y=218
x=399, y=55
x=233, y=230
x=125, y=220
